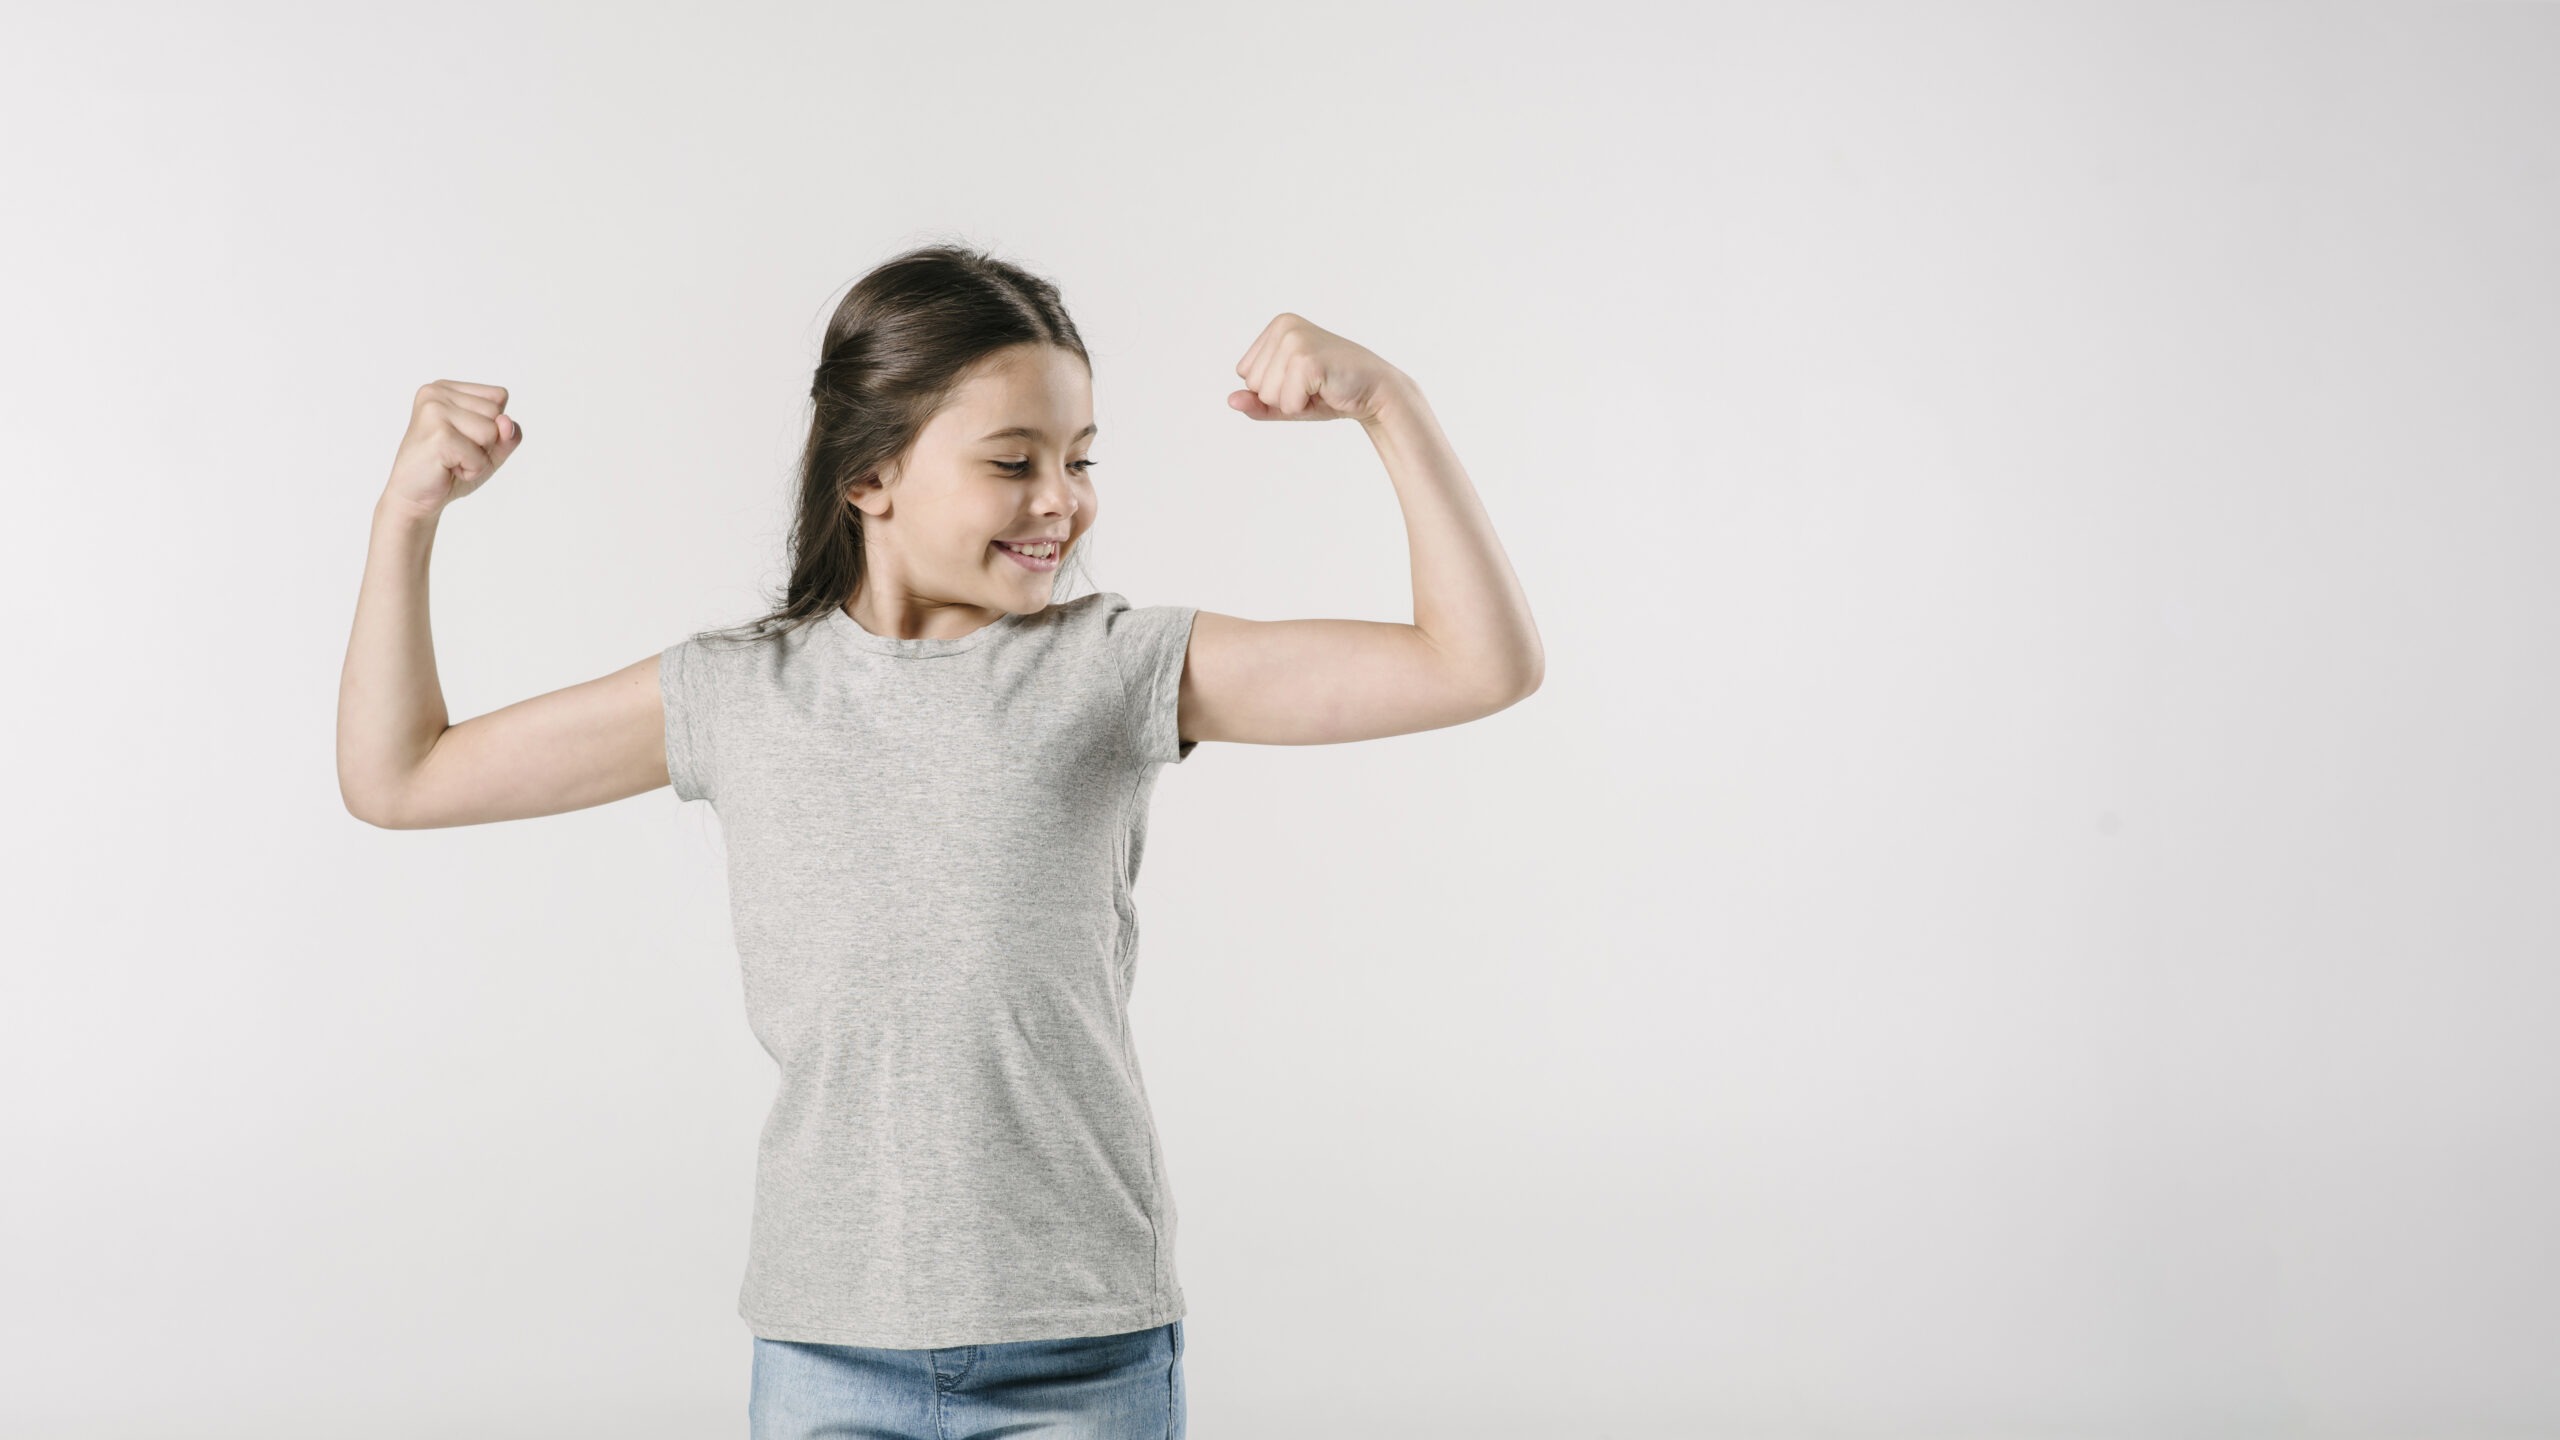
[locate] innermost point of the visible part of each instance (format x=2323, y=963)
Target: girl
x=933, y=784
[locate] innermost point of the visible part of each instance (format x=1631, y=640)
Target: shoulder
x=1108, y=612
x=1086, y=622
x=1092, y=612
x=736, y=655
x=1106, y=619
x=729, y=646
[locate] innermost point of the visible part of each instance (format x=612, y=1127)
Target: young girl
x=933, y=784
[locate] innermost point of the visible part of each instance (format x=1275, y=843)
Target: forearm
x=390, y=705
x=1465, y=597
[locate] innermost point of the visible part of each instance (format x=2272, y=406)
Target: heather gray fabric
x=932, y=845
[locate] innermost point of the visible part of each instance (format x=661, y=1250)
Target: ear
x=868, y=495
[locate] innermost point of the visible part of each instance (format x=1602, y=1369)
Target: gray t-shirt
x=931, y=846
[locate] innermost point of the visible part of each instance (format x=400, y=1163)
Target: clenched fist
x=459, y=434
x=1298, y=370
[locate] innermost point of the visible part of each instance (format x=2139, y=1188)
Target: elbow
x=1509, y=688
x=369, y=806
x=357, y=802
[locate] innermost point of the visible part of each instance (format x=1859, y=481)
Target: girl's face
x=1005, y=460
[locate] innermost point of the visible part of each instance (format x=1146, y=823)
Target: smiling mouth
x=1038, y=564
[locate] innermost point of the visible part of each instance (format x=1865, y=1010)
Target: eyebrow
x=1027, y=433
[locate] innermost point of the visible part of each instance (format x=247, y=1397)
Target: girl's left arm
x=1471, y=649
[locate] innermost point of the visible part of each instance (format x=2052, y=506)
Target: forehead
x=1043, y=396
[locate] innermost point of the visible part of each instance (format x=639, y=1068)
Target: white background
x=2025, y=906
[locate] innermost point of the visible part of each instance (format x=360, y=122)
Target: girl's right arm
x=400, y=765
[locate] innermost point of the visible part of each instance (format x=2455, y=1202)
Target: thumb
x=1251, y=404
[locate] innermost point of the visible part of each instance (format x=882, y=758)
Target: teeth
x=1046, y=549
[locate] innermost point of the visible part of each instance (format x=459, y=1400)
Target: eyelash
x=1016, y=468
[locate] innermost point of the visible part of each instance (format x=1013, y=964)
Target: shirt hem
x=1038, y=1325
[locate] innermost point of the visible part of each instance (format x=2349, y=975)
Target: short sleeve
x=685, y=682
x=1149, y=644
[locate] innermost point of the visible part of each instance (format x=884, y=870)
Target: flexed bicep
x=1324, y=682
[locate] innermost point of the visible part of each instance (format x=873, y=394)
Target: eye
x=1017, y=468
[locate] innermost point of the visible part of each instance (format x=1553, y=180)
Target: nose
x=1053, y=495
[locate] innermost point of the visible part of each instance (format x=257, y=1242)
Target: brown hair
x=902, y=341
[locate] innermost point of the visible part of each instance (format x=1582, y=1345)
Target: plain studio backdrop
x=2025, y=905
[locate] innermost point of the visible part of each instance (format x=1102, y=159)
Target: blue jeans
x=1102, y=1387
